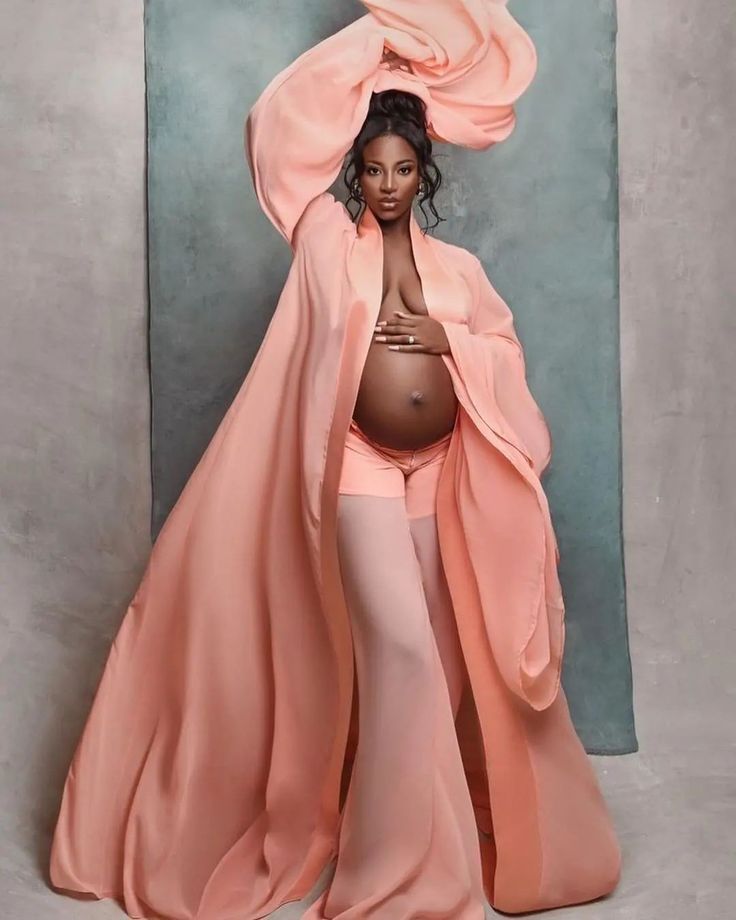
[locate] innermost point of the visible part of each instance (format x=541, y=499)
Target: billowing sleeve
x=474, y=58
x=504, y=513
x=470, y=61
x=489, y=360
x=304, y=122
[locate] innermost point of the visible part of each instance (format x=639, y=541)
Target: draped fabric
x=206, y=782
x=470, y=61
x=524, y=617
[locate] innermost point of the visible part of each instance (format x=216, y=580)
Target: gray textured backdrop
x=541, y=210
x=75, y=486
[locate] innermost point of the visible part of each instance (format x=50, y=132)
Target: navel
x=416, y=396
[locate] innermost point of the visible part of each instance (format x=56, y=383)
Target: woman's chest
x=427, y=286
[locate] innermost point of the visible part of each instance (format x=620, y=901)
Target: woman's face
x=390, y=178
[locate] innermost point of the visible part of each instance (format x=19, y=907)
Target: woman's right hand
x=394, y=61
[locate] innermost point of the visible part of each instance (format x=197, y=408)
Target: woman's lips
x=389, y=202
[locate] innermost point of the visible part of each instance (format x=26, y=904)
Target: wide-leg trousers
x=408, y=844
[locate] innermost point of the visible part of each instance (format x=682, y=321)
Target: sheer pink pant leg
x=408, y=846
x=439, y=603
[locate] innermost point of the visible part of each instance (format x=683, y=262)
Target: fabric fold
x=526, y=632
x=489, y=354
x=470, y=60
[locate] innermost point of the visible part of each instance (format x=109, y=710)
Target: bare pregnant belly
x=405, y=400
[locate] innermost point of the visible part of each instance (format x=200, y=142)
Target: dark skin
x=402, y=402
x=392, y=170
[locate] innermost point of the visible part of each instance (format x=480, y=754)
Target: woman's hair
x=396, y=112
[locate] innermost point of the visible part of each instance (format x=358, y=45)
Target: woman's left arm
x=489, y=359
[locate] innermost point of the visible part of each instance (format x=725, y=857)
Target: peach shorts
x=370, y=468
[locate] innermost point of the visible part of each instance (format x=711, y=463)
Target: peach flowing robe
x=206, y=782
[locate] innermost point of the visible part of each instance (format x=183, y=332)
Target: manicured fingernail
x=394, y=347
x=380, y=338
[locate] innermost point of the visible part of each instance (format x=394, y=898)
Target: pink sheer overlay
x=408, y=843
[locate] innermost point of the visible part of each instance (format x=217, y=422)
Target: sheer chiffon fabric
x=408, y=841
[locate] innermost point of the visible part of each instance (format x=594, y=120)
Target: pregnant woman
x=347, y=644
x=409, y=835
x=406, y=399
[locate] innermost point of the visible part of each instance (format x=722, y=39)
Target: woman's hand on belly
x=429, y=334
x=405, y=401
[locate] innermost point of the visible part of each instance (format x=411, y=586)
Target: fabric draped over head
x=470, y=61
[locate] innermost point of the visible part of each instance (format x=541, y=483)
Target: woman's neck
x=397, y=228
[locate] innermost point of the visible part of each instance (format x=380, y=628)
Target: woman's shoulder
x=321, y=214
x=460, y=257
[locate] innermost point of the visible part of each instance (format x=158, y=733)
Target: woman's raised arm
x=469, y=60
x=304, y=122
